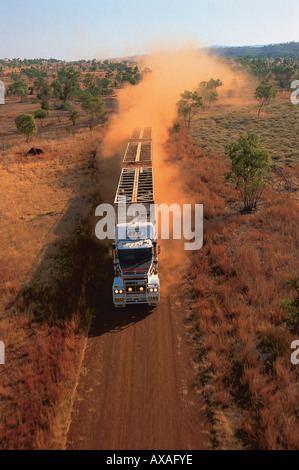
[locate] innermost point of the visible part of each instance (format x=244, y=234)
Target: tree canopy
x=41, y=114
x=265, y=93
x=250, y=166
x=208, y=91
x=19, y=88
x=189, y=106
x=26, y=125
x=93, y=106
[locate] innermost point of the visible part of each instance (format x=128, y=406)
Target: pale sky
x=83, y=29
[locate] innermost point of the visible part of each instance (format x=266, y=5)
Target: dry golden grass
x=276, y=127
x=44, y=243
x=57, y=125
x=238, y=284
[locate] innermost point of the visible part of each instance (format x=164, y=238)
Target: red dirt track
x=136, y=384
x=136, y=387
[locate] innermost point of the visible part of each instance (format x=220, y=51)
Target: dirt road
x=136, y=385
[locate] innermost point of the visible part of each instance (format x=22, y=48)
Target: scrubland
x=57, y=125
x=276, y=128
x=236, y=283
x=47, y=249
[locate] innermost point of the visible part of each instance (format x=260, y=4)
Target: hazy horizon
x=216, y=46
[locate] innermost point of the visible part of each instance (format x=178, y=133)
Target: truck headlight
x=118, y=291
x=155, y=289
x=151, y=289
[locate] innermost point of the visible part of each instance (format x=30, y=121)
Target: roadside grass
x=240, y=336
x=48, y=255
x=57, y=126
x=276, y=127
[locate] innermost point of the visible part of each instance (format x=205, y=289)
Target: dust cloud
x=152, y=103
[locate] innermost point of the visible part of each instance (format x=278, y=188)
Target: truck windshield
x=135, y=255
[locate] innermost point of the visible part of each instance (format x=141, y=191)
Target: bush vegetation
x=241, y=334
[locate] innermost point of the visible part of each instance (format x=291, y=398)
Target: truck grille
x=135, y=287
x=136, y=299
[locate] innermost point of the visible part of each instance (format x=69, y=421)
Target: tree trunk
x=259, y=111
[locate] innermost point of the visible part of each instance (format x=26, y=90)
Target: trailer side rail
x=138, y=154
x=141, y=133
x=136, y=184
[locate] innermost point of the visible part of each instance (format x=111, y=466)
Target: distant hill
x=288, y=49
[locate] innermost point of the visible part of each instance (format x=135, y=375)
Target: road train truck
x=135, y=251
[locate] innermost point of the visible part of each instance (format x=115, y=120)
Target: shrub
x=250, y=166
x=26, y=125
x=41, y=114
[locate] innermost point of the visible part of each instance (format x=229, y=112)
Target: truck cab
x=135, y=265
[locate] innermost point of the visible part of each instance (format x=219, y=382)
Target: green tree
x=283, y=74
x=189, y=106
x=67, y=83
x=26, y=125
x=73, y=116
x=43, y=89
x=265, y=93
x=19, y=88
x=45, y=104
x=118, y=79
x=107, y=91
x=57, y=89
x=250, y=167
x=260, y=68
x=212, y=84
x=93, y=106
x=212, y=97
x=208, y=91
x=41, y=114
x=105, y=82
